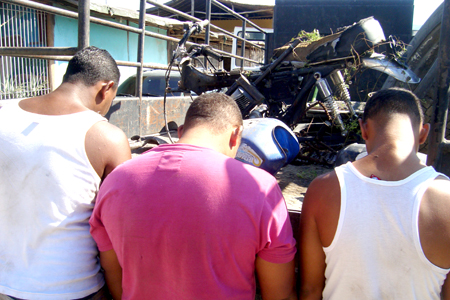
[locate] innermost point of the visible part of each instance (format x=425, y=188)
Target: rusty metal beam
x=84, y=13
x=21, y=51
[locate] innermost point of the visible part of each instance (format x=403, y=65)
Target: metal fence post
x=140, y=59
x=208, y=17
x=83, y=23
x=244, y=28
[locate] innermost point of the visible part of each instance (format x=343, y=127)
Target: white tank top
x=376, y=251
x=47, y=193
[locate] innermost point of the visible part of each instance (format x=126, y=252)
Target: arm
x=106, y=147
x=113, y=273
x=445, y=292
x=277, y=281
x=318, y=223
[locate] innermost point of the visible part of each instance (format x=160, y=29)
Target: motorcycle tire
x=421, y=56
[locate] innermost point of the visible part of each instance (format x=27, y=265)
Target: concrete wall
x=120, y=44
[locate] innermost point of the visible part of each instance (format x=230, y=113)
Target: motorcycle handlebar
x=192, y=28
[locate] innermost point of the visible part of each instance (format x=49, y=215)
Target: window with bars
x=22, y=77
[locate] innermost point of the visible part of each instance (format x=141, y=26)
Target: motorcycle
x=302, y=76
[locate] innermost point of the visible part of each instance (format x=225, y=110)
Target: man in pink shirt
x=187, y=221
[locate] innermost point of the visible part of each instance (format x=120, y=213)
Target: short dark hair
x=91, y=65
x=216, y=110
x=392, y=101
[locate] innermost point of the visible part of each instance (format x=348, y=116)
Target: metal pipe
x=186, y=16
x=244, y=28
x=440, y=105
x=73, y=15
x=140, y=57
x=84, y=7
x=208, y=17
x=207, y=29
x=67, y=58
x=21, y=51
x=278, y=61
x=119, y=62
x=225, y=8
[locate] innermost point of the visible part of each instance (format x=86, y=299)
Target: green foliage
x=353, y=126
x=309, y=36
x=35, y=86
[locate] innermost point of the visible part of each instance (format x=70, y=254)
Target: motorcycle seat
x=353, y=40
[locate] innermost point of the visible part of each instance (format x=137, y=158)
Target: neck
x=75, y=94
x=203, y=137
x=392, y=153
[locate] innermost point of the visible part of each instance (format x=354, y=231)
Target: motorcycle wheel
x=421, y=56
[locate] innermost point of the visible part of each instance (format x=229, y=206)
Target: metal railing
x=84, y=20
x=22, y=77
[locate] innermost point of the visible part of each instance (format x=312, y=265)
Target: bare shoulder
x=322, y=204
x=107, y=147
x=107, y=133
x=435, y=213
x=322, y=187
x=437, y=196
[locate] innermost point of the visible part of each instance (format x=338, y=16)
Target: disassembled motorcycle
x=301, y=76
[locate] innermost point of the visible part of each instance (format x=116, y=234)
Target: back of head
x=215, y=110
x=387, y=103
x=91, y=65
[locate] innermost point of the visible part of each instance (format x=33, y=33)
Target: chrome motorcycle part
x=330, y=104
x=343, y=93
x=392, y=68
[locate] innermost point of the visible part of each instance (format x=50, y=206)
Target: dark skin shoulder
x=106, y=147
x=318, y=224
x=434, y=227
x=434, y=223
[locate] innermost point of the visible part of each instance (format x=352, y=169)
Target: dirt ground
x=294, y=180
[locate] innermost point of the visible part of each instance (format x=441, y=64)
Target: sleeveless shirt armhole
x=343, y=205
x=415, y=225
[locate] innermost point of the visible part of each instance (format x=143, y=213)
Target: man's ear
x=180, y=131
x=363, y=127
x=235, y=138
x=105, y=90
x=423, y=134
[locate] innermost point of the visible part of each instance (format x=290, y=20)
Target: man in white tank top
x=379, y=228
x=54, y=151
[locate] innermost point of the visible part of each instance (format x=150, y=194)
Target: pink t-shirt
x=187, y=222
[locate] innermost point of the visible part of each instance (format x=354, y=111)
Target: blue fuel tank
x=267, y=144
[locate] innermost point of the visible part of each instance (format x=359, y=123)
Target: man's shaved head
x=214, y=110
x=394, y=101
